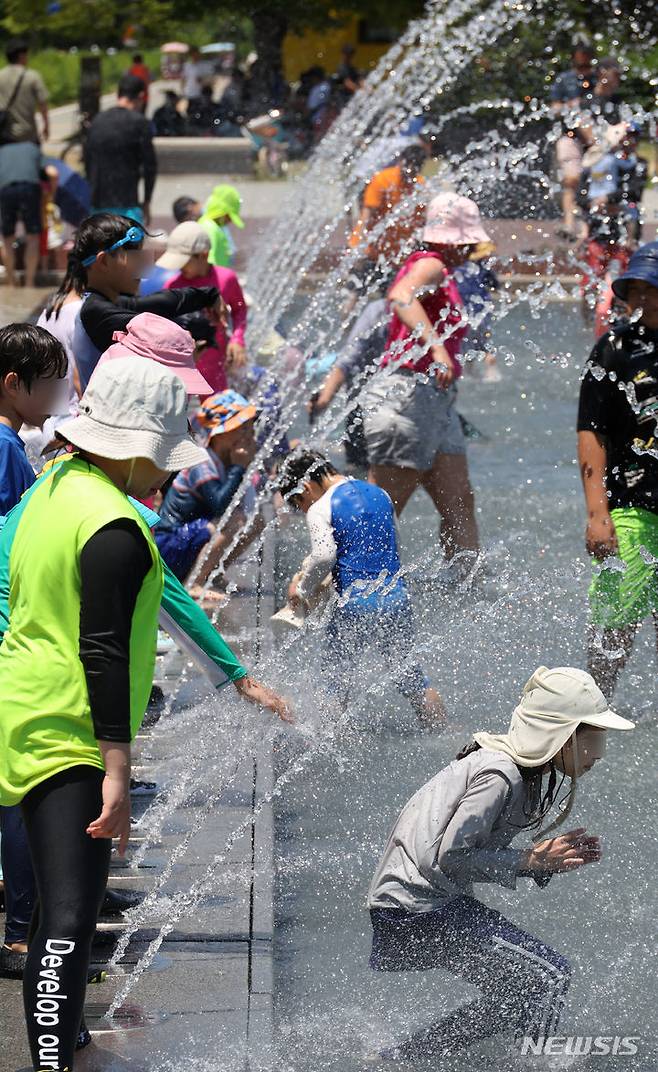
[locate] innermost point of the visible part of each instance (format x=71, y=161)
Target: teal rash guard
x=180, y=616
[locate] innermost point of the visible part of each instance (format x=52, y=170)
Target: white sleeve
x=322, y=558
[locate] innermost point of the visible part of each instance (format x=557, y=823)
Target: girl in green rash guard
x=76, y=666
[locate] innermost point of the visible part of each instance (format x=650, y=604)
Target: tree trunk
x=265, y=90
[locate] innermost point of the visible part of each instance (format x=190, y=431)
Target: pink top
x=211, y=362
x=444, y=309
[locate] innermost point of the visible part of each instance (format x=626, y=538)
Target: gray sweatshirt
x=453, y=832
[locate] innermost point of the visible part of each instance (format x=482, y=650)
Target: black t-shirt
x=118, y=153
x=619, y=401
x=101, y=317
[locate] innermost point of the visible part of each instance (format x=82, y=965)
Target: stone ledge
x=233, y=156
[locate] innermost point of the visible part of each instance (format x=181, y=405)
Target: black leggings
x=71, y=870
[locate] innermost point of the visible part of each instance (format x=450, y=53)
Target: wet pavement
x=478, y=646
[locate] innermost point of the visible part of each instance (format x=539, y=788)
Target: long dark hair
x=94, y=234
x=536, y=806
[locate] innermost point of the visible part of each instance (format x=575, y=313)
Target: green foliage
x=61, y=70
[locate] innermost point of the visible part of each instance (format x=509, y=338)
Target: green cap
x=225, y=201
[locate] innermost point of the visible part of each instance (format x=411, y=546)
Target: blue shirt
x=16, y=473
x=155, y=279
x=353, y=534
x=204, y=491
x=363, y=522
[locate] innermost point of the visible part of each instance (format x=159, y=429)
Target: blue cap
x=643, y=266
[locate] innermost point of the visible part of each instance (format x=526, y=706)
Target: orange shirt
x=384, y=191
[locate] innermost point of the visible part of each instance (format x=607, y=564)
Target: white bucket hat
x=554, y=703
x=135, y=409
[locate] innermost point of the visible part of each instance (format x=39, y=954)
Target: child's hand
x=242, y=455
x=264, y=697
x=236, y=355
x=294, y=598
x=600, y=537
x=564, y=853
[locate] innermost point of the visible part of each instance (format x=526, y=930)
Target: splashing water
x=479, y=641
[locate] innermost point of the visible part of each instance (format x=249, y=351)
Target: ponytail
x=95, y=233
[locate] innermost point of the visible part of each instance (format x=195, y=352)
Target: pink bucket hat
x=454, y=220
x=149, y=335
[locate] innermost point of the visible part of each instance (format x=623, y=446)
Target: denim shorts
x=21, y=200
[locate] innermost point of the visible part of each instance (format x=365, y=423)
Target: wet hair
x=413, y=156
x=95, y=234
x=181, y=208
x=15, y=48
x=32, y=353
x=131, y=86
x=537, y=805
x=300, y=466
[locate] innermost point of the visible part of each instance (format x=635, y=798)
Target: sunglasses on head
x=134, y=235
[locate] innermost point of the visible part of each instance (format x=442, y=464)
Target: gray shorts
x=408, y=420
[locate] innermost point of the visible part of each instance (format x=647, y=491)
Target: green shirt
x=45, y=717
x=220, y=247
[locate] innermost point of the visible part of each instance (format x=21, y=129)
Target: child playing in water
x=617, y=454
x=106, y=265
x=188, y=247
x=456, y=831
x=200, y=495
x=352, y=529
x=32, y=374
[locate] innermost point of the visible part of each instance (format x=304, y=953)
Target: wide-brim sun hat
x=454, y=220
x=185, y=241
x=158, y=339
x=222, y=412
x=642, y=268
x=225, y=201
x=135, y=409
x=554, y=703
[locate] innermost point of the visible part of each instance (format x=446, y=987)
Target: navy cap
x=643, y=266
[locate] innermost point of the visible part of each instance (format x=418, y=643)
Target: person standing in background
x=21, y=166
x=191, y=80
x=22, y=95
x=347, y=76
x=119, y=153
x=571, y=90
x=138, y=69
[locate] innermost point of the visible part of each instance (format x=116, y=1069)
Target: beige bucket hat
x=135, y=409
x=554, y=703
